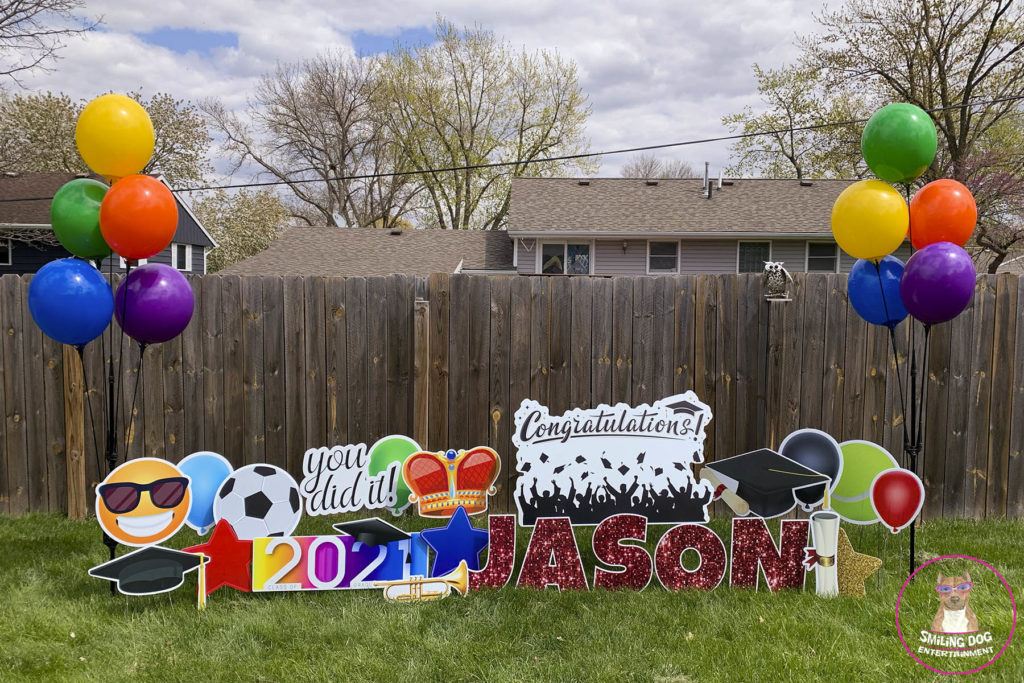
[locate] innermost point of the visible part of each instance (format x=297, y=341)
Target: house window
x=181, y=257
x=751, y=256
x=6, y=252
x=662, y=257
x=822, y=257
x=560, y=258
x=135, y=264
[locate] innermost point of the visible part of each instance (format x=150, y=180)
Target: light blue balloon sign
x=207, y=471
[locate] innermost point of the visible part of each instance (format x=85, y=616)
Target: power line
x=567, y=157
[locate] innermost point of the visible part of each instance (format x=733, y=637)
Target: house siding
x=707, y=256
x=695, y=256
x=526, y=256
x=611, y=259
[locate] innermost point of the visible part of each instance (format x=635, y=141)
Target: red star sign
x=228, y=559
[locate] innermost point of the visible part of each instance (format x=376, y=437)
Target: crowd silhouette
x=595, y=503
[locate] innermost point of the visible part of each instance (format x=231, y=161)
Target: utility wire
x=566, y=157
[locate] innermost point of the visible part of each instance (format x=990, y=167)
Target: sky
x=655, y=71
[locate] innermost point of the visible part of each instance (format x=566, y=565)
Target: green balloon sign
x=393, y=449
x=899, y=142
x=75, y=217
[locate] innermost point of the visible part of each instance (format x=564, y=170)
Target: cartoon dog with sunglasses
x=954, y=615
x=144, y=501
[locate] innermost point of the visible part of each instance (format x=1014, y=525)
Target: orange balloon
x=138, y=217
x=942, y=211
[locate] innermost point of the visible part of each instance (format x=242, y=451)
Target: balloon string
x=119, y=400
x=88, y=402
x=895, y=355
x=131, y=414
x=923, y=393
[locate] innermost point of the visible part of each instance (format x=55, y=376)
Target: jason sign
x=588, y=465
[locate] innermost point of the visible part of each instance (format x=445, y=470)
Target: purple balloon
x=154, y=303
x=938, y=282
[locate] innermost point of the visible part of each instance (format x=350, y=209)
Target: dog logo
x=955, y=614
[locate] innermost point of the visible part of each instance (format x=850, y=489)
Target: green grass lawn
x=57, y=623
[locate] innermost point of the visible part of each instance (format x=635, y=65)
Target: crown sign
x=442, y=481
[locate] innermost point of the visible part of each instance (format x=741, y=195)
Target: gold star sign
x=853, y=568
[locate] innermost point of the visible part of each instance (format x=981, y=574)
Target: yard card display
x=588, y=465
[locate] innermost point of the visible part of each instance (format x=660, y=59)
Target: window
x=135, y=264
x=181, y=257
x=822, y=257
x=6, y=252
x=751, y=256
x=559, y=258
x=662, y=257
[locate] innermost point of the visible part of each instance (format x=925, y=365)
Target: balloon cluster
x=870, y=220
x=134, y=216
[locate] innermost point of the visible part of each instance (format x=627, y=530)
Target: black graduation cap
x=683, y=407
x=640, y=458
x=766, y=480
x=607, y=463
x=373, y=531
x=148, y=570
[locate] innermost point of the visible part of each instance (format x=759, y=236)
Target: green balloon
x=899, y=142
x=393, y=449
x=75, y=216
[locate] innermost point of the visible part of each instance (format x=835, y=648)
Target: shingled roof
x=679, y=206
x=373, y=251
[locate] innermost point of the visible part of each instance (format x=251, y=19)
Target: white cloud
x=655, y=72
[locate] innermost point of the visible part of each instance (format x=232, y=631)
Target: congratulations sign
x=588, y=465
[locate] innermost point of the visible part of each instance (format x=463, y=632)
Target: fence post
x=74, y=432
x=421, y=371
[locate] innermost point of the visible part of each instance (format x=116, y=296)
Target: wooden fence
x=271, y=366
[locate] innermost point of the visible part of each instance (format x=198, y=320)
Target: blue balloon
x=866, y=285
x=70, y=301
x=207, y=471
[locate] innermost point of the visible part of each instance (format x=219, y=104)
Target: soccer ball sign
x=259, y=501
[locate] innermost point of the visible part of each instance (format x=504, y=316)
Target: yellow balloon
x=870, y=219
x=114, y=136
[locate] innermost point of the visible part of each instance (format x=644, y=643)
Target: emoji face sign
x=143, y=501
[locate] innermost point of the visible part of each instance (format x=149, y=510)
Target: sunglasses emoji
x=142, y=502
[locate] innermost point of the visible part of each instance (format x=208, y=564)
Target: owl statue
x=775, y=280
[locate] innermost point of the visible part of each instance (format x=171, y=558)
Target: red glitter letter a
x=552, y=539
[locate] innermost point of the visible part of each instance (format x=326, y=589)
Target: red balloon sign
x=897, y=496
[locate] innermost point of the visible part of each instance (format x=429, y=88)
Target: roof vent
x=395, y=231
x=727, y=182
x=651, y=183
x=806, y=183
x=584, y=182
x=10, y=174
x=81, y=175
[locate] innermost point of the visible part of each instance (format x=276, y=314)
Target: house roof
x=634, y=206
x=36, y=189
x=373, y=251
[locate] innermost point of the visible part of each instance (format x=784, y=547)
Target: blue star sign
x=456, y=542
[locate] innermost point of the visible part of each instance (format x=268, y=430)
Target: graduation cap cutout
x=763, y=480
x=640, y=458
x=683, y=407
x=373, y=531
x=149, y=570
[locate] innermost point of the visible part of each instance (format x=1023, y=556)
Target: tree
x=37, y=134
x=470, y=99
x=932, y=53
x=243, y=224
x=795, y=99
x=315, y=120
x=32, y=31
x=647, y=165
